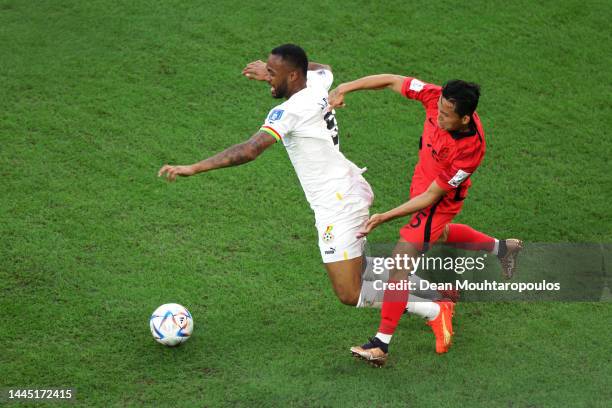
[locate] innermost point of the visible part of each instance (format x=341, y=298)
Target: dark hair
x=294, y=55
x=463, y=94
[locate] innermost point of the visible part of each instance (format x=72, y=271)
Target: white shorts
x=338, y=231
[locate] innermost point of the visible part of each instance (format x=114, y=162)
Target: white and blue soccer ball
x=171, y=324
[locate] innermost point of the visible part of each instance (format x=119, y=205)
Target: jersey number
x=416, y=222
x=332, y=125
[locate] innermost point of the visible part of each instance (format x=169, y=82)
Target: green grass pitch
x=95, y=96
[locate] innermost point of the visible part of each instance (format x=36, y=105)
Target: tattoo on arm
x=238, y=154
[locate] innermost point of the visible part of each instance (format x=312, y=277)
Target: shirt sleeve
x=428, y=94
x=320, y=78
x=460, y=170
x=279, y=123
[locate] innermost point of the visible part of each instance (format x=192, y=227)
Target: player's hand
x=374, y=221
x=172, y=171
x=256, y=70
x=336, y=99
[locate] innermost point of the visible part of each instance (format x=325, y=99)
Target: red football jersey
x=449, y=159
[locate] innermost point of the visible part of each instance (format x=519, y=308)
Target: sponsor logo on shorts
x=330, y=251
x=327, y=235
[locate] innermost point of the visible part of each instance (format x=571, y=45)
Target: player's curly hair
x=294, y=55
x=463, y=94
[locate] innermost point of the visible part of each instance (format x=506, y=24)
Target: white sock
x=370, y=297
x=422, y=307
x=385, y=338
x=495, y=250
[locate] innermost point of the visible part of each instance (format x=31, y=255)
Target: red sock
x=465, y=237
x=394, y=304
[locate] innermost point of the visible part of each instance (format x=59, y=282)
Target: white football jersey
x=310, y=135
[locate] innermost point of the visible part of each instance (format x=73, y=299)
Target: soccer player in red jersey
x=451, y=148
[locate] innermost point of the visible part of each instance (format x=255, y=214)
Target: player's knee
x=348, y=298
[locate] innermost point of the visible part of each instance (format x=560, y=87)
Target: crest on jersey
x=276, y=114
x=327, y=235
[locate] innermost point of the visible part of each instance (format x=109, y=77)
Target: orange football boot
x=442, y=326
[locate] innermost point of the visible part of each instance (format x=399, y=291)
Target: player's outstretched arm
x=257, y=69
x=381, y=81
x=233, y=156
x=423, y=200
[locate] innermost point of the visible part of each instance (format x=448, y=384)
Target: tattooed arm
x=233, y=156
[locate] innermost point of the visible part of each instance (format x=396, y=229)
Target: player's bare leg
x=345, y=277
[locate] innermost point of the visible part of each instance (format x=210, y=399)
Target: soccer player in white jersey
x=334, y=187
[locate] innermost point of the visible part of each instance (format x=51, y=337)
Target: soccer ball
x=171, y=324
